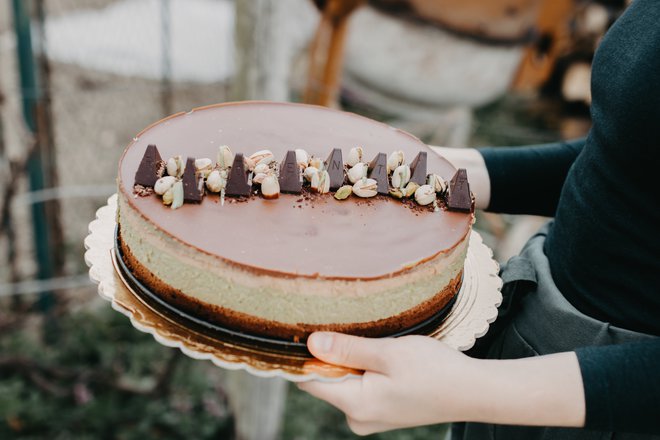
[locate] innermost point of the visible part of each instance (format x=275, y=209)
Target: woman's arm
x=622, y=386
x=516, y=180
x=416, y=380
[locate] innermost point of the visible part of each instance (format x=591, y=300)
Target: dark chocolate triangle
x=334, y=165
x=459, y=198
x=290, y=174
x=191, y=187
x=418, y=169
x=378, y=172
x=147, y=172
x=237, y=181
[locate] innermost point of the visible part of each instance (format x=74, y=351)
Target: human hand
x=417, y=380
x=408, y=381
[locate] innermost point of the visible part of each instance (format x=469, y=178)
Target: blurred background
x=79, y=78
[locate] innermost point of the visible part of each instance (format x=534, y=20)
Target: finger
x=350, y=351
x=341, y=395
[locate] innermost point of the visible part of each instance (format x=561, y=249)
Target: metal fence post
x=166, y=97
x=41, y=165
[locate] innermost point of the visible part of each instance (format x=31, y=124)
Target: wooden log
x=327, y=52
x=263, y=54
x=257, y=404
x=504, y=20
x=539, y=59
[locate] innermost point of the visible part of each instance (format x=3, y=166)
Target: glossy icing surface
x=324, y=237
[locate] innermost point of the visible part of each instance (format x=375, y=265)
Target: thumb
x=349, y=351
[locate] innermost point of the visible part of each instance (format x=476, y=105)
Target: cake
x=280, y=264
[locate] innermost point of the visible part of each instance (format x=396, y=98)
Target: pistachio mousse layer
x=301, y=262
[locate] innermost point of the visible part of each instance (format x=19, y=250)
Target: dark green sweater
x=604, y=192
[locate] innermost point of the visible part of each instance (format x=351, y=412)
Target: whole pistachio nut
x=270, y=187
x=316, y=162
x=163, y=184
x=395, y=159
x=357, y=172
x=249, y=163
x=316, y=179
x=396, y=192
x=177, y=195
x=203, y=166
x=259, y=178
x=171, y=167
x=310, y=172
x=321, y=182
x=425, y=195
x=269, y=161
x=354, y=156
x=203, y=163
x=410, y=189
x=168, y=196
x=225, y=157
x=302, y=158
x=175, y=166
x=401, y=176
x=324, y=184
x=437, y=183
x=365, y=188
x=261, y=168
x=343, y=192
x=262, y=156
x=215, y=182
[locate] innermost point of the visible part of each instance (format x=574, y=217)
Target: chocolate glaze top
x=323, y=237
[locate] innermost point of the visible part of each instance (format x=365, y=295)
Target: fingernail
x=322, y=342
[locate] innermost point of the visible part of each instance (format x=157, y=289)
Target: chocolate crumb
x=142, y=191
x=161, y=169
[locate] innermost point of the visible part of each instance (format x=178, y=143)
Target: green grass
x=93, y=376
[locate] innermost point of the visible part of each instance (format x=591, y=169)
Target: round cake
x=283, y=265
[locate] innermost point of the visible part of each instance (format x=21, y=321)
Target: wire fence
x=98, y=71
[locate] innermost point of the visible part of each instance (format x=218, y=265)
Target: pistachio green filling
x=286, y=301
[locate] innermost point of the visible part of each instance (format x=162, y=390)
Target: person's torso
x=604, y=248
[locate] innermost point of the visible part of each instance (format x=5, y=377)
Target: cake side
x=276, y=327
x=169, y=266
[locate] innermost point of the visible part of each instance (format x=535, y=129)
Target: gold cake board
x=474, y=310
